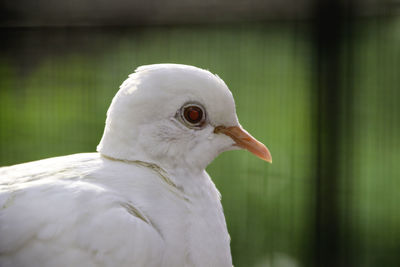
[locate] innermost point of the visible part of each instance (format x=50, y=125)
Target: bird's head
x=175, y=116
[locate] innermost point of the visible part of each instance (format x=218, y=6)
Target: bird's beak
x=244, y=140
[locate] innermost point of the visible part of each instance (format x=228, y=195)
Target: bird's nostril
x=219, y=129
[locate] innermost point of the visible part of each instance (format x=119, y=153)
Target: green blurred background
x=57, y=80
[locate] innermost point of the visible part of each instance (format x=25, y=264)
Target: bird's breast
x=196, y=227
x=188, y=216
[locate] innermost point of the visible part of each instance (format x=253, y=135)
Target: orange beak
x=244, y=140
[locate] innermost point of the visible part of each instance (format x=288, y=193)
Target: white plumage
x=145, y=198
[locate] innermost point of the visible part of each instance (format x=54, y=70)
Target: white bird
x=145, y=198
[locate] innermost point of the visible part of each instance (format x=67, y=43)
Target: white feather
x=143, y=200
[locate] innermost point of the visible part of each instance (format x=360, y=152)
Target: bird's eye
x=193, y=115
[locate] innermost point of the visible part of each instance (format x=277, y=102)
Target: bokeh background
x=317, y=82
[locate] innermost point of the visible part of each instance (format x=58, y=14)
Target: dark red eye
x=193, y=114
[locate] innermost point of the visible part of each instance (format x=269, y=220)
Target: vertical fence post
x=330, y=26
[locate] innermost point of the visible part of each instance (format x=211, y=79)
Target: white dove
x=145, y=198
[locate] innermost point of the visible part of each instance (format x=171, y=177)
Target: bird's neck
x=188, y=179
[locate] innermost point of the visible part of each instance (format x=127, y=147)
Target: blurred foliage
x=56, y=85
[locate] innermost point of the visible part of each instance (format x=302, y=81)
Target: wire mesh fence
x=322, y=94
